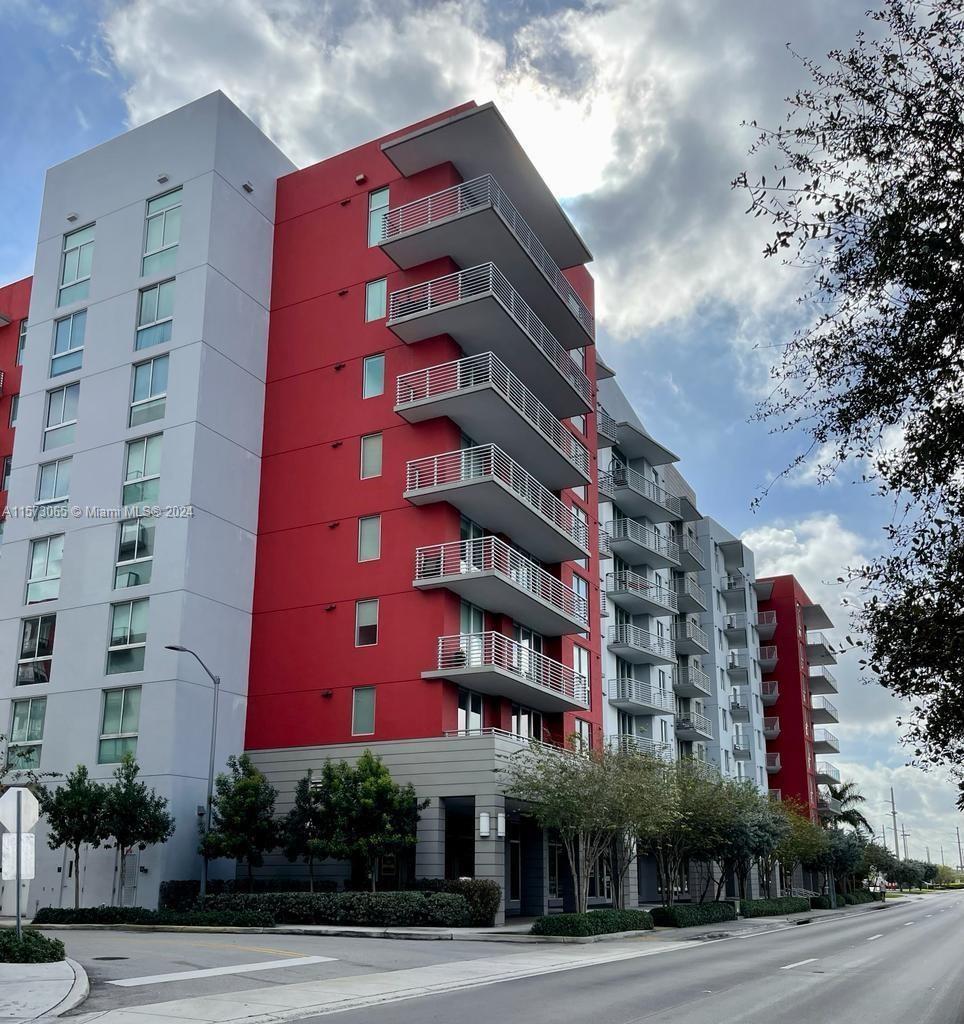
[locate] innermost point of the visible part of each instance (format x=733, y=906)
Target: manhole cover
x=111, y=958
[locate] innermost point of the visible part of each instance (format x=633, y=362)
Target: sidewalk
x=29, y=991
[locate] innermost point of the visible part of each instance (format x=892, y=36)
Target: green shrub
x=864, y=896
x=30, y=948
x=774, y=907
x=595, y=922
x=684, y=915
x=848, y=899
x=234, y=918
x=482, y=895
x=820, y=903
x=183, y=894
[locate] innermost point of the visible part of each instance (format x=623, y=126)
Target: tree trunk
x=311, y=874
x=250, y=877
x=371, y=874
x=77, y=876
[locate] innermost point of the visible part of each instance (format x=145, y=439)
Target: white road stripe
x=800, y=963
x=213, y=972
x=907, y=924
x=879, y=935
x=928, y=915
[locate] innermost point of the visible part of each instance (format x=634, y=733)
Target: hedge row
x=820, y=903
x=683, y=915
x=859, y=896
x=183, y=894
x=774, y=907
x=594, y=922
x=221, y=918
x=483, y=896
x=399, y=909
x=30, y=948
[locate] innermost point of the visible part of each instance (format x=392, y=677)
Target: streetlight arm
x=187, y=650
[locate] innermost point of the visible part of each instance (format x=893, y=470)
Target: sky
x=633, y=111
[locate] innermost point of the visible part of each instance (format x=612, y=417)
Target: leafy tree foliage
x=868, y=196
x=850, y=814
x=803, y=841
x=306, y=828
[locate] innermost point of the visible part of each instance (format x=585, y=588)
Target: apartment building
x=798, y=711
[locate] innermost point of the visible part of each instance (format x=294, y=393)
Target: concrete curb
x=79, y=991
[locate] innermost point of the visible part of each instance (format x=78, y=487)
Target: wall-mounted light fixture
x=484, y=824
x=71, y=217
x=345, y=202
x=500, y=826
x=248, y=187
x=329, y=607
x=326, y=694
x=163, y=179
x=360, y=179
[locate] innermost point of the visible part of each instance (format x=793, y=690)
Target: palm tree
x=850, y=799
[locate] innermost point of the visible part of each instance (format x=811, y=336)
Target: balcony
x=768, y=658
x=691, y=681
x=640, y=647
x=638, y=595
x=742, y=745
x=824, y=742
x=823, y=681
x=822, y=711
x=606, y=430
x=738, y=665
x=487, y=400
x=769, y=692
x=496, y=492
x=641, y=545
x=604, y=549
x=476, y=220
x=773, y=764
x=827, y=774
x=689, y=637
x=734, y=591
x=691, y=554
x=640, y=698
x=766, y=624
x=694, y=727
x=643, y=745
x=490, y=574
x=638, y=496
x=771, y=727
x=828, y=806
x=740, y=707
x=483, y=312
x=690, y=596
x=496, y=665
x=734, y=626
x=819, y=650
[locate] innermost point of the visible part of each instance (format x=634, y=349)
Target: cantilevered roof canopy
x=603, y=370
x=814, y=617
x=637, y=443
x=478, y=141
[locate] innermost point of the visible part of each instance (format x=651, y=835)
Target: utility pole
x=893, y=811
x=942, y=853
x=928, y=851
x=904, y=834
x=960, y=856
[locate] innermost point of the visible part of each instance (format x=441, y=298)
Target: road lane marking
x=213, y=972
x=907, y=924
x=928, y=915
x=879, y=935
x=800, y=963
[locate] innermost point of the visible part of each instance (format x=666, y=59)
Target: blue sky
x=632, y=112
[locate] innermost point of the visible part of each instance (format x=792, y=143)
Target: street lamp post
x=216, y=680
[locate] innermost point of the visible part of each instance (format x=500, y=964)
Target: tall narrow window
x=155, y=315
x=371, y=456
x=36, y=650
x=580, y=664
x=53, y=488
x=366, y=623
x=369, y=538
x=149, y=392
x=27, y=732
x=162, y=233
x=377, y=208
x=21, y=342
x=43, y=582
x=373, y=376
x=68, y=351
x=363, y=711
x=470, y=711
x=142, y=472
x=119, y=724
x=128, y=637
x=376, y=298
x=135, y=553
x=14, y=409
x=78, y=256
x=5, y=480
x=583, y=735
x=60, y=424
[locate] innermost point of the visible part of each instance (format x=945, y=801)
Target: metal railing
x=604, y=549
x=691, y=546
x=494, y=650
x=470, y=196
x=487, y=279
x=694, y=720
x=735, y=620
x=643, y=744
x=765, y=619
x=738, y=660
x=829, y=803
x=740, y=698
x=828, y=770
x=686, y=586
x=490, y=554
x=636, y=692
x=771, y=726
x=817, y=639
x=624, y=476
x=447, y=379
x=770, y=689
x=489, y=460
x=644, y=536
x=627, y=635
x=822, y=704
x=690, y=675
x=823, y=673
x=826, y=736
x=733, y=582
x=773, y=762
x=742, y=739
x=524, y=742
x=684, y=629
x=605, y=424
x=626, y=581
x=768, y=653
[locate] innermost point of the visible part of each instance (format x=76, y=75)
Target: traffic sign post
x=19, y=812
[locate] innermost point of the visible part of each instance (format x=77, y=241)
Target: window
x=61, y=422
x=580, y=663
x=377, y=208
x=5, y=478
x=118, y=727
x=36, y=650
x=373, y=376
x=27, y=732
x=580, y=530
x=583, y=735
x=371, y=456
x=128, y=637
x=470, y=711
x=162, y=233
x=369, y=538
x=557, y=868
x=135, y=553
x=155, y=315
x=43, y=583
x=149, y=393
x=68, y=351
x=363, y=711
x=526, y=722
x=21, y=342
x=142, y=473
x=366, y=623
x=376, y=299
x=579, y=422
x=53, y=486
x=14, y=409
x=580, y=587
x=75, y=267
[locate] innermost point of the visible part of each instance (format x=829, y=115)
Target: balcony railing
x=632, y=691
x=606, y=427
x=627, y=635
x=823, y=681
x=605, y=551
x=631, y=583
x=690, y=680
x=490, y=554
x=686, y=586
x=686, y=631
x=494, y=650
x=828, y=771
x=644, y=745
x=740, y=700
x=486, y=369
x=829, y=804
x=768, y=656
x=773, y=762
x=769, y=691
x=693, y=721
x=821, y=708
x=691, y=546
x=765, y=619
x=771, y=727
x=742, y=743
x=468, y=196
x=487, y=279
x=468, y=465
x=623, y=476
x=738, y=661
x=733, y=582
x=644, y=536
x=827, y=739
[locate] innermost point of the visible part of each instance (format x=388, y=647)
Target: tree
x=839, y=858
x=75, y=815
x=803, y=843
x=878, y=862
x=133, y=814
x=850, y=814
x=305, y=828
x=868, y=198
x=909, y=873
x=243, y=826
